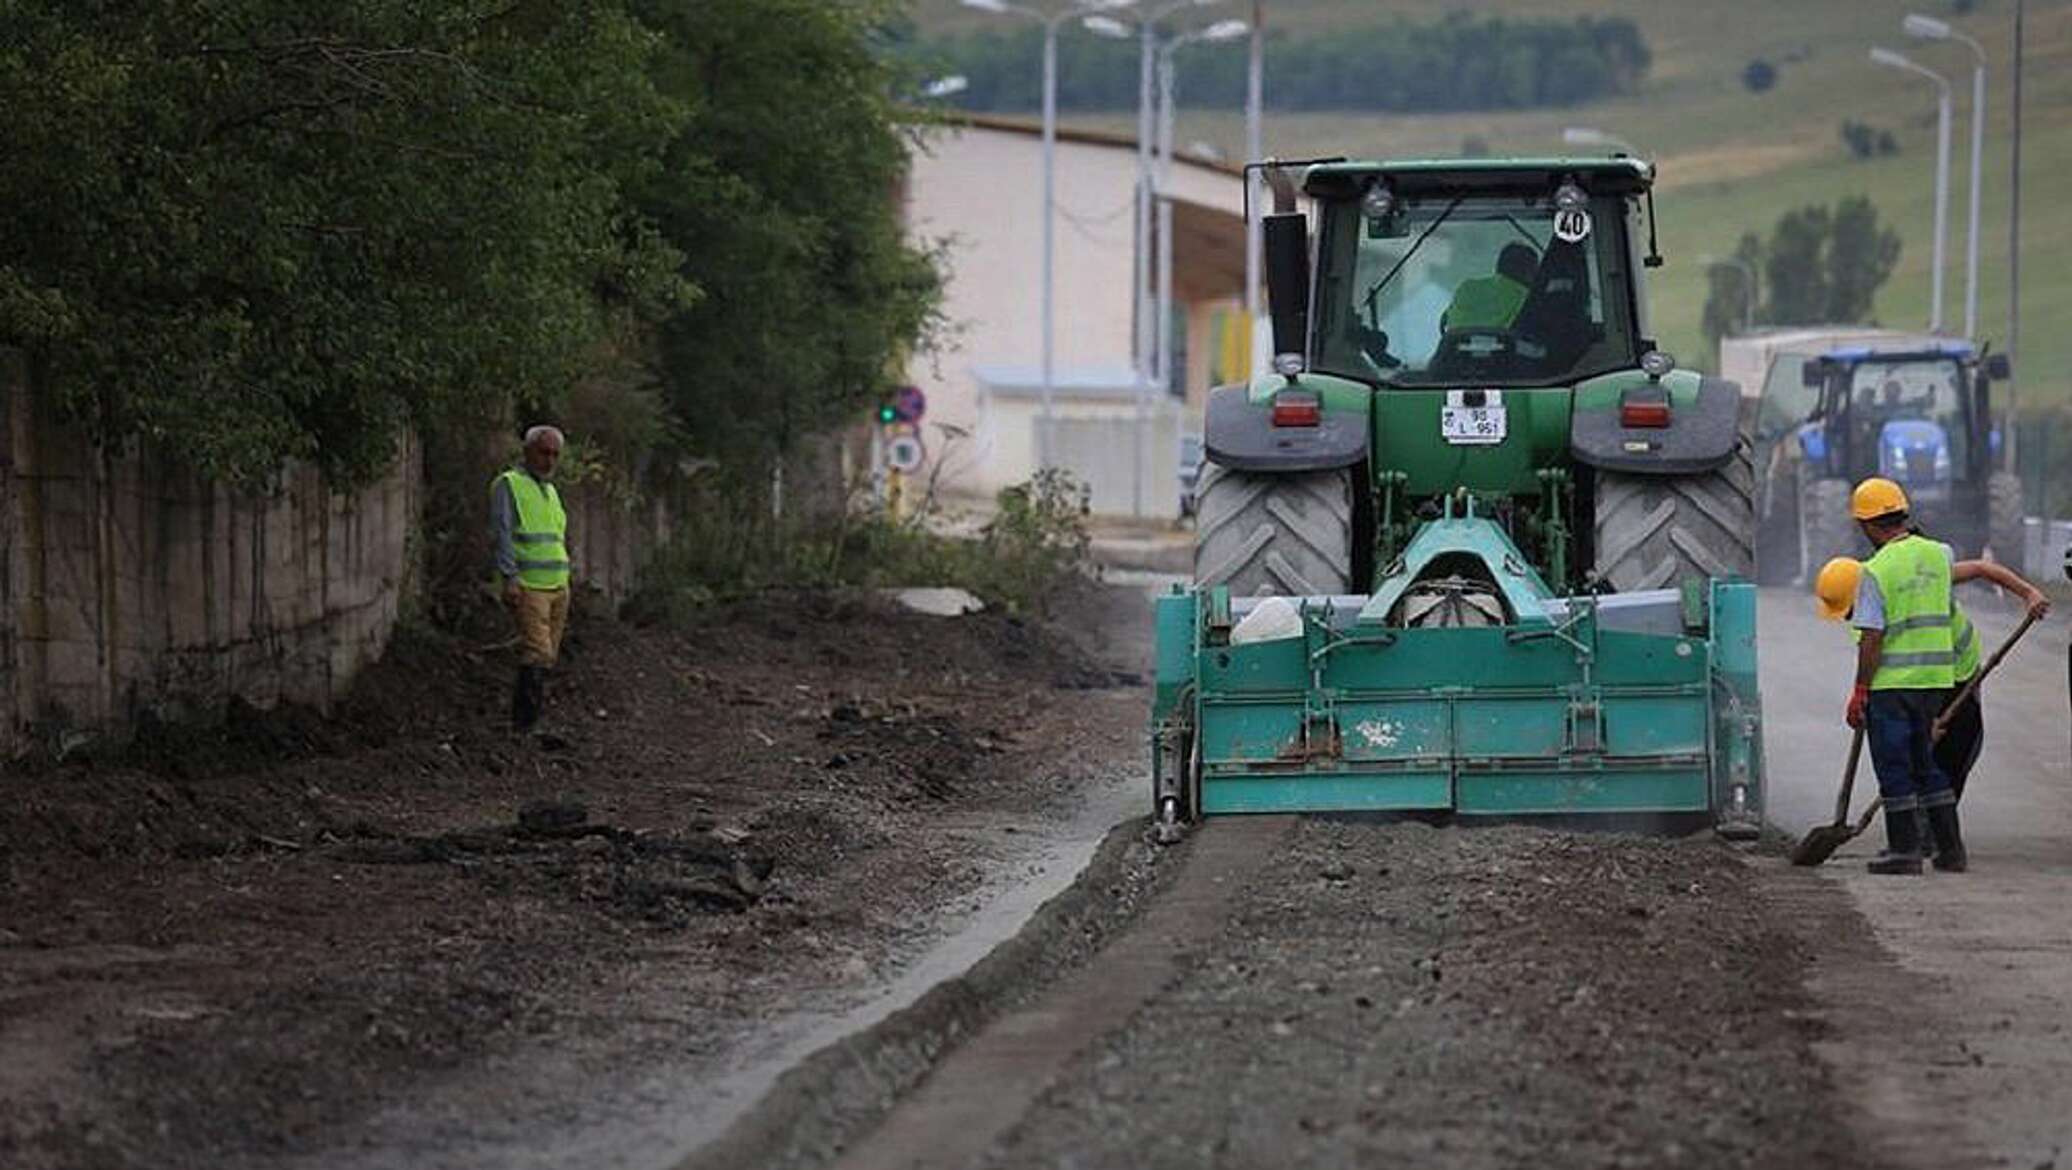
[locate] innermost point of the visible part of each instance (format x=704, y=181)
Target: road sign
x=910, y=403
x=905, y=452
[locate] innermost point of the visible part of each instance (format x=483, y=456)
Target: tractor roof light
x=1570, y=197
x=1288, y=365
x=1656, y=364
x=1379, y=200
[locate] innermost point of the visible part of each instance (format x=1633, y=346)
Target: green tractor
x=1476, y=546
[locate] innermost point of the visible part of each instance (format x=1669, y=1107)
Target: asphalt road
x=1992, y=948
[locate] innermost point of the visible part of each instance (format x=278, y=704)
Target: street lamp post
x=1928, y=28
x=1050, y=22
x=1747, y=286
x=1222, y=30
x=1894, y=60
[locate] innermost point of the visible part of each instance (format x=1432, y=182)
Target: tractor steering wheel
x=1471, y=350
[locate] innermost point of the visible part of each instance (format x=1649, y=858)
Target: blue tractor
x=1919, y=415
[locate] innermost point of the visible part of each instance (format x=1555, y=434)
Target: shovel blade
x=1820, y=843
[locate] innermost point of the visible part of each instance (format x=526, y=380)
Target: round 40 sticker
x=1571, y=227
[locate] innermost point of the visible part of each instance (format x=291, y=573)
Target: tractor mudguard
x=1238, y=430
x=1704, y=425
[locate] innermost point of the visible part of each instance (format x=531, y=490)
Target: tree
x=1860, y=258
x=1759, y=76
x=258, y=231
x=1731, y=297
x=1820, y=266
x=781, y=192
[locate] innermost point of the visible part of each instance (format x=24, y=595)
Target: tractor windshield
x=1488, y=288
x=1912, y=414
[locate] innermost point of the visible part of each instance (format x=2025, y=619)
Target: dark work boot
x=526, y=696
x=1923, y=834
x=1902, y=844
x=1949, y=843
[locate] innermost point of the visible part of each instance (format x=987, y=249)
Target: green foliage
x=782, y=193
x=1759, y=76
x=256, y=231
x=1821, y=266
x=728, y=546
x=1459, y=62
x=1731, y=294
x=1867, y=141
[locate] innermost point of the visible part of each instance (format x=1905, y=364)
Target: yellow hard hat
x=1876, y=497
x=1835, y=588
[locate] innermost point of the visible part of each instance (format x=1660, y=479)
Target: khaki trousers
x=542, y=617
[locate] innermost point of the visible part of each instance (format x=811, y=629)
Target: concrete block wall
x=128, y=584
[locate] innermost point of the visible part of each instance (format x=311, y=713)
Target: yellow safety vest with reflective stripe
x=1919, y=653
x=1486, y=302
x=1964, y=639
x=539, y=533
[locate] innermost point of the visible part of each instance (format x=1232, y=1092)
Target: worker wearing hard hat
x=1906, y=658
x=1957, y=751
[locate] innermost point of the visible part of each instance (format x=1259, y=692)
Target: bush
x=1759, y=76
x=727, y=547
x=1867, y=141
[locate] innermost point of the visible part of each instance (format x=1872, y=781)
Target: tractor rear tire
x=1827, y=525
x=1288, y=533
x=2005, y=528
x=1656, y=531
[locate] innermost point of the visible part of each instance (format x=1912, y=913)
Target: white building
x=976, y=190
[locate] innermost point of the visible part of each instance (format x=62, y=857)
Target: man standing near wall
x=529, y=532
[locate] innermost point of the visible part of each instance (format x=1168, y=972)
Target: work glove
x=1858, y=700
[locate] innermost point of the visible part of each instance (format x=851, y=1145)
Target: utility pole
x=1255, y=101
x=2014, y=253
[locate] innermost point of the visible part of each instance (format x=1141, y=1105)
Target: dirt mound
x=228, y=941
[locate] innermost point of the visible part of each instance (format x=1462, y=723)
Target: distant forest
x=1458, y=62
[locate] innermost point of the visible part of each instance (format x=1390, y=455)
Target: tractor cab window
x=1909, y=418
x=1491, y=289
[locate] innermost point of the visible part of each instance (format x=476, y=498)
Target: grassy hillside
x=1730, y=161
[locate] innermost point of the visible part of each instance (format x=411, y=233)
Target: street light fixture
x=1591, y=136
x=1887, y=57
x=1146, y=346
x=1051, y=22
x=1928, y=28
x=943, y=87
x=1747, y=288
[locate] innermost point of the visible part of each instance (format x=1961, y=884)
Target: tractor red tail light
x=1644, y=414
x=1296, y=409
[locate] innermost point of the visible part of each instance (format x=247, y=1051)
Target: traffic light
x=888, y=413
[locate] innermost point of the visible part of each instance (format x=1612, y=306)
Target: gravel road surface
x=1987, y=954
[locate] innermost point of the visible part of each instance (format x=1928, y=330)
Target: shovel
x=1821, y=841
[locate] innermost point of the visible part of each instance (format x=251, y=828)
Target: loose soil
x=244, y=944
x=1398, y=994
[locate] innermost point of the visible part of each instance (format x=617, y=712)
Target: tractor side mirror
x=1286, y=242
x=1813, y=373
x=1998, y=367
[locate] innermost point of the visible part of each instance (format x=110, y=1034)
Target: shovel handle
x=1942, y=721
x=1849, y=779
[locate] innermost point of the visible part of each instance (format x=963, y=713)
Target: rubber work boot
x=1924, y=834
x=1949, y=843
x=1902, y=845
x=527, y=697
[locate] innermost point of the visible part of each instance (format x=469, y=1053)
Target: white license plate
x=1471, y=424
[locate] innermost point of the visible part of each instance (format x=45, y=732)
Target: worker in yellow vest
x=1493, y=301
x=1906, y=664
x=1836, y=588
x=529, y=533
